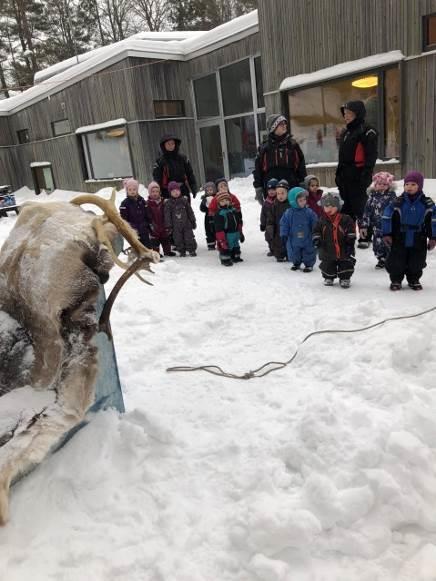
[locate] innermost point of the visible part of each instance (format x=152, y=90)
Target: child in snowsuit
x=180, y=221
x=335, y=235
x=222, y=186
x=407, y=223
x=209, y=227
x=273, y=221
x=296, y=228
x=381, y=194
x=133, y=211
x=228, y=229
x=311, y=185
x=156, y=219
x=266, y=208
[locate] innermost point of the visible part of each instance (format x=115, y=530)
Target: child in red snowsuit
x=155, y=216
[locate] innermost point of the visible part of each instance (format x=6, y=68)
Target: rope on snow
x=271, y=366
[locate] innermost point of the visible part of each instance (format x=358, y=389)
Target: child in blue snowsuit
x=381, y=194
x=296, y=227
x=409, y=229
x=228, y=230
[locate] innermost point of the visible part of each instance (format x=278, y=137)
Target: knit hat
x=382, y=179
x=130, y=182
x=272, y=184
x=274, y=121
x=152, y=185
x=223, y=196
x=210, y=185
x=220, y=181
x=331, y=199
x=282, y=184
x=307, y=181
x=173, y=186
x=294, y=194
x=415, y=177
x=357, y=107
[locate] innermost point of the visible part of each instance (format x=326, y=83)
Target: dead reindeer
x=51, y=268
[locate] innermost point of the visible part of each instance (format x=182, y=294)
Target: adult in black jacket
x=357, y=157
x=173, y=166
x=278, y=157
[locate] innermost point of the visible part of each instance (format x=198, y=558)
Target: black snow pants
x=408, y=262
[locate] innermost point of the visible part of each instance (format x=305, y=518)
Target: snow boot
x=344, y=283
x=295, y=267
x=417, y=286
x=308, y=269
x=395, y=286
x=328, y=282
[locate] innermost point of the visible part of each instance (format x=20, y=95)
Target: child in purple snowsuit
x=180, y=220
x=266, y=209
x=381, y=194
x=133, y=210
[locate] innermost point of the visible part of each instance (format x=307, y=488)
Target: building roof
x=180, y=46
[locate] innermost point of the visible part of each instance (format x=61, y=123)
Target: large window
x=206, y=97
x=429, y=36
x=241, y=144
x=234, y=116
x=236, y=88
x=316, y=120
x=168, y=109
x=107, y=153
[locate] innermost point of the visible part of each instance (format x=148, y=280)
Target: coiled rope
x=271, y=366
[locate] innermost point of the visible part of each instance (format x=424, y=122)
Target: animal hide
x=51, y=267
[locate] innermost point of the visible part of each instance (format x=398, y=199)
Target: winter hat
x=220, y=181
x=130, y=182
x=152, y=185
x=294, y=194
x=382, y=179
x=282, y=184
x=210, y=185
x=358, y=107
x=173, y=186
x=307, y=181
x=331, y=199
x=416, y=177
x=272, y=184
x=274, y=121
x=223, y=196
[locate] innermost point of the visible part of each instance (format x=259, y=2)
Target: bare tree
x=154, y=13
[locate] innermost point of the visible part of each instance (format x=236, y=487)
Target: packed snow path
x=323, y=471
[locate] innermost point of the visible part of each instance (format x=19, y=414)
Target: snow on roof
x=143, y=45
x=40, y=163
x=99, y=126
x=342, y=69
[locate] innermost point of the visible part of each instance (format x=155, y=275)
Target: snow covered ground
x=323, y=471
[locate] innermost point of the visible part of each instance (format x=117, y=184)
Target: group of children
x=304, y=221
x=171, y=222
x=299, y=224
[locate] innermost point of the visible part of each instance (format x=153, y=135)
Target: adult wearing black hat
x=357, y=157
x=174, y=166
x=278, y=157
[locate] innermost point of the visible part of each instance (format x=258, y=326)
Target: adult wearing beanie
x=278, y=157
x=357, y=157
x=174, y=166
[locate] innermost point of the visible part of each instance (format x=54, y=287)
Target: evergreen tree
x=206, y=14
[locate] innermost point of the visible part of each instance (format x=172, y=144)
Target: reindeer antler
x=111, y=215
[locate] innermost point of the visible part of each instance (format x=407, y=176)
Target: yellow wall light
x=365, y=82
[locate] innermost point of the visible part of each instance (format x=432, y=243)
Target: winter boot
x=417, y=286
x=395, y=286
x=295, y=267
x=307, y=269
x=182, y=254
x=192, y=253
x=380, y=264
x=344, y=283
x=328, y=282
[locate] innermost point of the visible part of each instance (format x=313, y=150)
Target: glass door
x=212, y=152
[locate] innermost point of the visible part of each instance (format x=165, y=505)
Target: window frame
x=181, y=101
x=21, y=132
x=380, y=72
x=53, y=124
x=87, y=165
x=426, y=47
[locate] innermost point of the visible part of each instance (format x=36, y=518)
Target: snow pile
x=323, y=471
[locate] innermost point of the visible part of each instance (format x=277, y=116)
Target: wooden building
x=91, y=121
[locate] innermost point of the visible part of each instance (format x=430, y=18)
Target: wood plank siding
x=301, y=36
